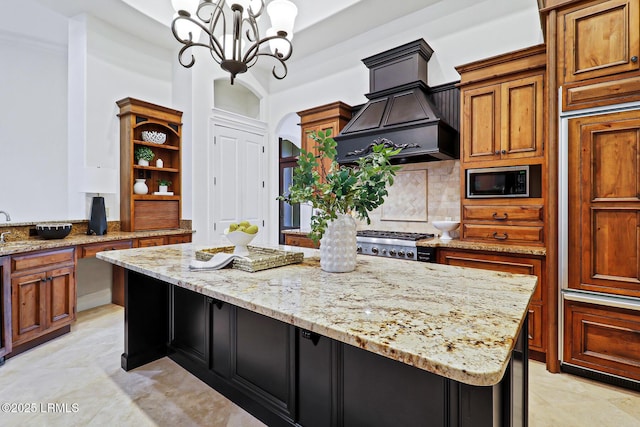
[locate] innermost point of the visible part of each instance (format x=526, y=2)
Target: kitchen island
x=392, y=343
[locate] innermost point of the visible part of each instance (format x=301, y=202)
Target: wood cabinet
x=604, y=203
x=147, y=242
x=603, y=339
x=511, y=263
x=149, y=211
x=598, y=46
x=43, y=293
x=5, y=309
x=500, y=221
x=332, y=116
x=502, y=107
x=298, y=240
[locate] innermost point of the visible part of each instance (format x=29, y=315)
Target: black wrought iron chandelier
x=229, y=30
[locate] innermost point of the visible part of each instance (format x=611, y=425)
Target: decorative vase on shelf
x=163, y=188
x=338, y=245
x=143, y=162
x=140, y=187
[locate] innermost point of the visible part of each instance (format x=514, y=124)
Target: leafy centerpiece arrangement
x=336, y=193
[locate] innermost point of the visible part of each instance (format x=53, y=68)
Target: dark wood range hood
x=401, y=111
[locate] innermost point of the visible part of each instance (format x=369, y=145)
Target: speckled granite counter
x=38, y=243
x=477, y=246
x=455, y=322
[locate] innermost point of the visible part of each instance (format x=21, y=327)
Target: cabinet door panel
x=604, y=203
x=61, y=297
x=599, y=40
x=28, y=301
x=148, y=242
x=184, y=238
x=521, y=117
x=536, y=338
x=481, y=123
x=602, y=338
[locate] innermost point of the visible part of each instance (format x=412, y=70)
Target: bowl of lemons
x=241, y=234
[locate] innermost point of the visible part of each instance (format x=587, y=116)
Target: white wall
x=33, y=114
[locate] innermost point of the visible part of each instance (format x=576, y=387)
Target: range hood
x=400, y=112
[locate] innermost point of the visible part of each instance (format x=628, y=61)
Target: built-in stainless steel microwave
x=509, y=181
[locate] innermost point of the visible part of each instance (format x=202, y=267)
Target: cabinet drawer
x=150, y=241
x=183, y=238
x=301, y=241
x=502, y=213
x=504, y=234
x=42, y=259
x=91, y=250
x=605, y=339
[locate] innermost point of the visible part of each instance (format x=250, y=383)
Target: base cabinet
x=43, y=294
x=5, y=309
x=603, y=339
x=288, y=376
x=510, y=264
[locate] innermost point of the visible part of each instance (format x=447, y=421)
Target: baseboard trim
x=95, y=299
x=600, y=376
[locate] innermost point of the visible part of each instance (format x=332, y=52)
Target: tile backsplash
x=423, y=192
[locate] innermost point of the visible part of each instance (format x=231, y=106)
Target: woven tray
x=259, y=258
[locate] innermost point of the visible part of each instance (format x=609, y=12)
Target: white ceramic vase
x=163, y=188
x=338, y=245
x=143, y=162
x=140, y=187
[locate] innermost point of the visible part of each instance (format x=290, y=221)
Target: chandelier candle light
x=237, y=46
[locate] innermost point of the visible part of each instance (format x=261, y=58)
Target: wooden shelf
x=149, y=211
x=164, y=146
x=153, y=168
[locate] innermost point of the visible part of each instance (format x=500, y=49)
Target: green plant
x=340, y=189
x=164, y=182
x=144, y=153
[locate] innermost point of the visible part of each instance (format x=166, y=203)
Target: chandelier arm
x=252, y=52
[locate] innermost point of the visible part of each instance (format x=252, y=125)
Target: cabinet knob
x=634, y=59
x=504, y=151
x=497, y=151
x=499, y=218
x=503, y=237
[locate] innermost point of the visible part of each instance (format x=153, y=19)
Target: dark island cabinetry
x=289, y=376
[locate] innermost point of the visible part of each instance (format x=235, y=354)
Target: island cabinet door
x=190, y=323
x=263, y=363
x=317, y=379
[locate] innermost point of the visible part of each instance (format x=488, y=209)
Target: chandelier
x=231, y=33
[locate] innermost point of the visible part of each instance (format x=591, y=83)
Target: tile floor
x=80, y=372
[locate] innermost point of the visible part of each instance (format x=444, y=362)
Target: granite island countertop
x=456, y=322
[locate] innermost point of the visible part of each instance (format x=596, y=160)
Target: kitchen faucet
x=6, y=215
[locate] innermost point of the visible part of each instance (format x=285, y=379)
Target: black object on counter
x=98, y=221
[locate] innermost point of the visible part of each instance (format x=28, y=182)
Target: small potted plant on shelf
x=144, y=155
x=163, y=185
x=337, y=193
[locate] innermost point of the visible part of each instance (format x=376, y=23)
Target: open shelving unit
x=149, y=211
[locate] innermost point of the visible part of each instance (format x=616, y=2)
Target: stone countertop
x=38, y=243
x=480, y=246
x=457, y=322
x=460, y=244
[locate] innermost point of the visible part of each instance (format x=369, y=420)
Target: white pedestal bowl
x=446, y=227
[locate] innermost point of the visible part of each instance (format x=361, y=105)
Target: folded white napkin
x=218, y=261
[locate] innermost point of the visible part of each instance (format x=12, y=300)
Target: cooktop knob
x=400, y=253
x=410, y=254
x=374, y=251
x=384, y=251
x=359, y=249
x=392, y=252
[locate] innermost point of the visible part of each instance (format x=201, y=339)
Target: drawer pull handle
x=503, y=237
x=502, y=218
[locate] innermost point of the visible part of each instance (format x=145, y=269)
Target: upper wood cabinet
x=598, y=38
x=503, y=106
x=151, y=211
x=332, y=116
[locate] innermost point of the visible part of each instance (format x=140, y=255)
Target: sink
x=446, y=227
